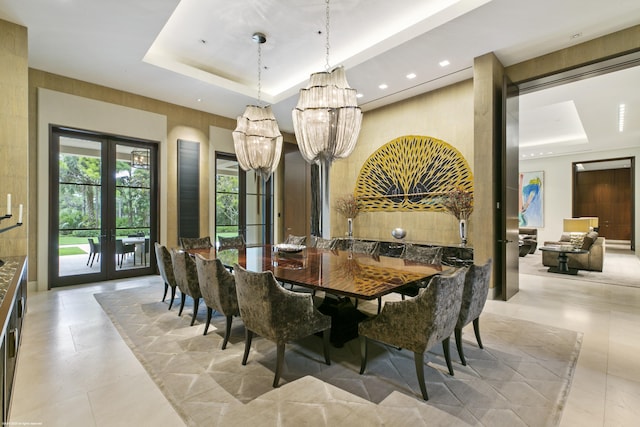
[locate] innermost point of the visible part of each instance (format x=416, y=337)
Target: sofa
x=528, y=240
x=593, y=260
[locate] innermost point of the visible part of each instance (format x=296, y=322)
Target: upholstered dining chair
x=94, y=251
x=122, y=250
x=186, y=274
x=295, y=240
x=320, y=243
x=218, y=288
x=235, y=242
x=277, y=314
x=195, y=242
x=423, y=255
x=474, y=296
x=419, y=323
x=362, y=247
x=165, y=267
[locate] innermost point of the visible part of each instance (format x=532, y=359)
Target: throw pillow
x=588, y=240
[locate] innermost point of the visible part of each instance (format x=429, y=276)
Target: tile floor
x=74, y=369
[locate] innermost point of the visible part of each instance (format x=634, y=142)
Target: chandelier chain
x=259, y=73
x=327, y=66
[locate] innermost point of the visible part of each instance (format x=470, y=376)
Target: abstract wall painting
x=531, y=212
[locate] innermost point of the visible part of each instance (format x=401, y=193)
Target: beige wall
x=445, y=114
x=14, y=148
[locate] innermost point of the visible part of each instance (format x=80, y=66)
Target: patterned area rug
x=522, y=376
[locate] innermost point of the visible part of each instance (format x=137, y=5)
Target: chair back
x=217, y=286
x=93, y=247
x=320, y=243
x=474, y=296
x=185, y=272
x=443, y=296
x=368, y=248
x=195, y=242
x=423, y=255
x=235, y=242
x=165, y=265
x=256, y=299
x=296, y=240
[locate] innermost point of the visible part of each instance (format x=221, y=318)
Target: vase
x=463, y=231
x=350, y=227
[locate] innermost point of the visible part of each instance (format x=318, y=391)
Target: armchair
x=165, y=267
x=218, y=288
x=277, y=314
x=235, y=242
x=184, y=270
x=296, y=240
x=474, y=296
x=195, y=242
x=94, y=251
x=419, y=323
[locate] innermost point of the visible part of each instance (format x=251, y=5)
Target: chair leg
x=379, y=304
x=206, y=326
x=183, y=298
x=173, y=295
x=325, y=345
x=196, y=303
x=166, y=288
x=447, y=354
x=279, y=363
x=363, y=354
x=227, y=332
x=247, y=345
x=458, y=333
x=476, y=329
x=419, y=361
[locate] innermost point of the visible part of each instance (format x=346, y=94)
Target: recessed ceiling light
x=411, y=76
x=621, y=111
x=359, y=95
x=444, y=63
x=199, y=99
x=576, y=35
x=383, y=86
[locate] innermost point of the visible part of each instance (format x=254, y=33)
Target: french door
x=102, y=210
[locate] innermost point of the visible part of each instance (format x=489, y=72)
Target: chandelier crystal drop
x=257, y=139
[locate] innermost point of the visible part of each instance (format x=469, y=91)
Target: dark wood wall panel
x=188, y=189
x=607, y=195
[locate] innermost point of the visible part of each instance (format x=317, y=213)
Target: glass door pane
x=132, y=207
x=228, y=221
x=80, y=207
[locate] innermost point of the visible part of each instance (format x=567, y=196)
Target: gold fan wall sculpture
x=411, y=173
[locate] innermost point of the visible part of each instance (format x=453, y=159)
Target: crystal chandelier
x=327, y=122
x=257, y=139
x=327, y=118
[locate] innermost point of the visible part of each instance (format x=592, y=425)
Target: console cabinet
x=13, y=306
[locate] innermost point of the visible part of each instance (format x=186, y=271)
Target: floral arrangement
x=459, y=203
x=347, y=206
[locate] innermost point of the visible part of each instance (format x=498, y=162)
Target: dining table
x=340, y=274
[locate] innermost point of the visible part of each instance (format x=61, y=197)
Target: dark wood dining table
x=341, y=273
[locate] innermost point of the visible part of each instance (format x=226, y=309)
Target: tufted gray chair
x=419, y=323
x=296, y=240
x=165, y=267
x=474, y=296
x=184, y=269
x=195, y=242
x=235, y=242
x=277, y=314
x=218, y=288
